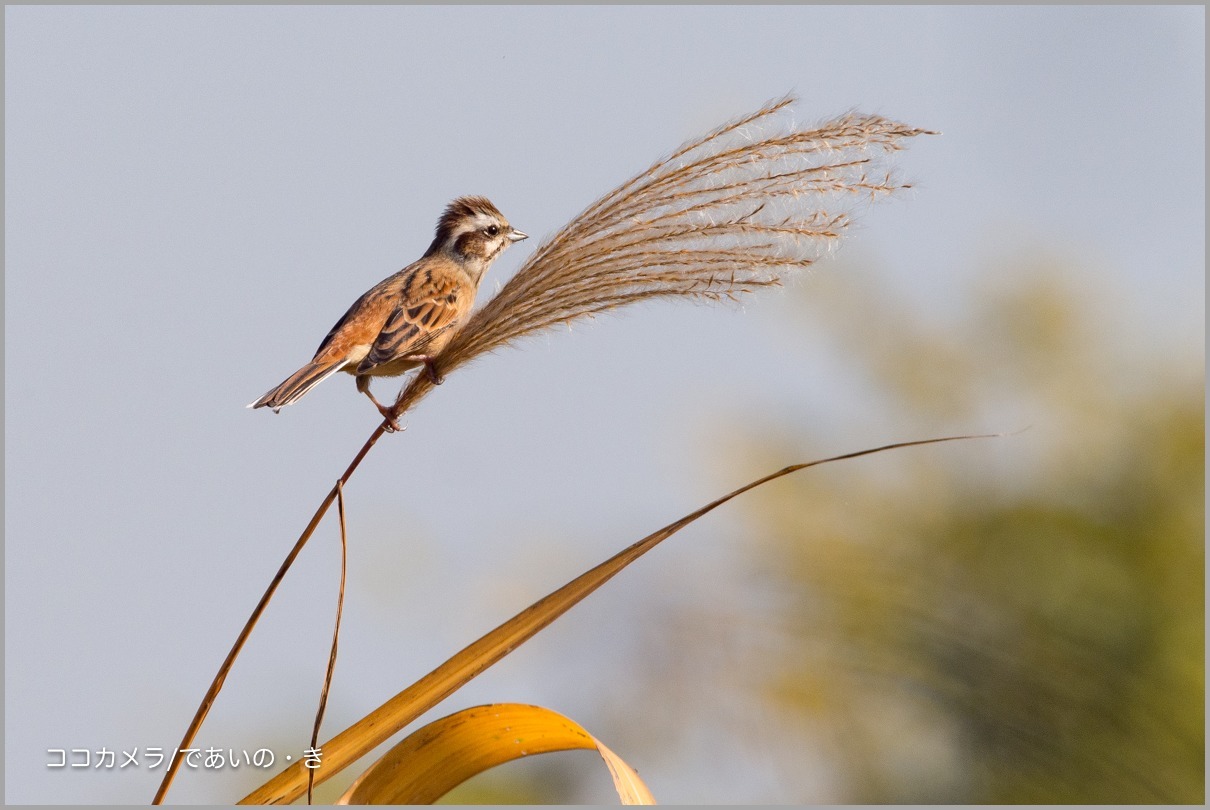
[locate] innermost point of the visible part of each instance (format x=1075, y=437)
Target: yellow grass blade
x=436, y=759
x=630, y=788
x=391, y=717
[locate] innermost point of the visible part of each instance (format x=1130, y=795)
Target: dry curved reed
x=726, y=214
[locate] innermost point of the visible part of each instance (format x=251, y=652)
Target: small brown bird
x=406, y=319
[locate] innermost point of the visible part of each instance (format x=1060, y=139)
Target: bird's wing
x=356, y=313
x=431, y=301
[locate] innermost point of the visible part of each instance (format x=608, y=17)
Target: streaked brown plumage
x=405, y=320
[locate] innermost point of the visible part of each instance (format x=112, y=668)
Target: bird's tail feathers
x=297, y=384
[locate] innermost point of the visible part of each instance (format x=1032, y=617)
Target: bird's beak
x=516, y=236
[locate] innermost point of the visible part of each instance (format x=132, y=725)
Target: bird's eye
x=493, y=230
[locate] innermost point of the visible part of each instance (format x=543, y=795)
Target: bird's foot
x=391, y=418
x=430, y=367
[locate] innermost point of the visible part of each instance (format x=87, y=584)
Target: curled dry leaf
x=436, y=759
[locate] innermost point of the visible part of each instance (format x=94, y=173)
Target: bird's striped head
x=473, y=232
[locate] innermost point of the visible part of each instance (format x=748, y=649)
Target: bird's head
x=473, y=232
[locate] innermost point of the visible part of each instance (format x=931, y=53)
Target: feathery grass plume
x=733, y=211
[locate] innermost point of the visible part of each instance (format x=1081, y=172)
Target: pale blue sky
x=194, y=194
